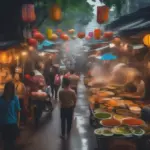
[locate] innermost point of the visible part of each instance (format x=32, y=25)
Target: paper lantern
x=28, y=13
x=81, y=35
x=102, y=14
x=32, y=42
x=56, y=13
x=71, y=31
x=146, y=40
x=87, y=37
x=108, y=35
x=90, y=34
x=54, y=37
x=38, y=36
x=97, y=34
x=65, y=37
x=49, y=33
x=5, y=57
x=116, y=41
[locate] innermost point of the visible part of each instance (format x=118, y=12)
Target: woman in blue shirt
x=9, y=116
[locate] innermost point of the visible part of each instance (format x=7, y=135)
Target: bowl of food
x=138, y=131
x=133, y=122
x=110, y=122
x=118, y=117
x=106, y=132
x=102, y=115
x=98, y=131
x=135, y=109
x=122, y=130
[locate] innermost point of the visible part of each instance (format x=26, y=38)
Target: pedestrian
x=67, y=99
x=9, y=116
x=57, y=83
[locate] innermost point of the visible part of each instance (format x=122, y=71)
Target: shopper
x=9, y=116
x=57, y=83
x=67, y=99
x=74, y=79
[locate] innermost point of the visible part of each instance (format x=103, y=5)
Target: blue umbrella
x=45, y=44
x=107, y=56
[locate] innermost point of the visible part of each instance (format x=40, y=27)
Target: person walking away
x=9, y=116
x=57, y=83
x=52, y=79
x=21, y=93
x=67, y=99
x=74, y=79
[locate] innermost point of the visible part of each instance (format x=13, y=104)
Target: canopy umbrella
x=107, y=56
x=45, y=44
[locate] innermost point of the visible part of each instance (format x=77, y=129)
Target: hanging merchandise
x=32, y=42
x=97, y=34
x=146, y=40
x=65, y=37
x=102, y=14
x=55, y=13
x=28, y=13
x=54, y=37
x=108, y=35
x=71, y=31
x=49, y=33
x=5, y=57
x=117, y=41
x=81, y=35
x=59, y=31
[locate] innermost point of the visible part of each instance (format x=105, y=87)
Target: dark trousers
x=9, y=135
x=66, y=119
x=55, y=89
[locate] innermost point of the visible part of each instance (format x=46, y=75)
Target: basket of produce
x=110, y=122
x=103, y=132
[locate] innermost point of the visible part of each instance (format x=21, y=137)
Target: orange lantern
x=116, y=41
x=108, y=34
x=54, y=37
x=65, y=37
x=5, y=57
x=71, y=31
x=32, y=42
x=56, y=13
x=146, y=40
x=81, y=35
x=102, y=14
x=97, y=34
x=38, y=36
x=59, y=31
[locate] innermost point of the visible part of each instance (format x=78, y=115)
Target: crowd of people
x=21, y=98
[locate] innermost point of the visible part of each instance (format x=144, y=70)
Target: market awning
x=132, y=24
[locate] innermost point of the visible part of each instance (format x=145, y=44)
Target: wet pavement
x=47, y=137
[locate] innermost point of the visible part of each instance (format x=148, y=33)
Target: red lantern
x=116, y=41
x=102, y=14
x=97, y=34
x=64, y=37
x=38, y=36
x=32, y=42
x=81, y=35
x=28, y=13
x=108, y=34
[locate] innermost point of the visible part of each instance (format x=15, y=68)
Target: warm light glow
x=24, y=53
x=31, y=48
x=17, y=57
x=111, y=45
x=42, y=54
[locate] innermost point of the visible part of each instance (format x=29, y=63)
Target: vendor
x=137, y=86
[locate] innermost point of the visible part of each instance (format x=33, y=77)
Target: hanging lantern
x=71, y=31
x=81, y=35
x=65, y=37
x=38, y=36
x=54, y=37
x=146, y=40
x=87, y=37
x=90, y=34
x=97, y=34
x=32, y=42
x=49, y=33
x=108, y=35
x=117, y=41
x=102, y=14
x=56, y=13
x=5, y=57
x=28, y=13
x=59, y=31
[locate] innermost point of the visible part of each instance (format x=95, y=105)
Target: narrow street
x=48, y=136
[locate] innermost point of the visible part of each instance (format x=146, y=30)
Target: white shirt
x=140, y=88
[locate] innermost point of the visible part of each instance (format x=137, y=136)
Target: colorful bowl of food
x=110, y=122
x=102, y=115
x=138, y=131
